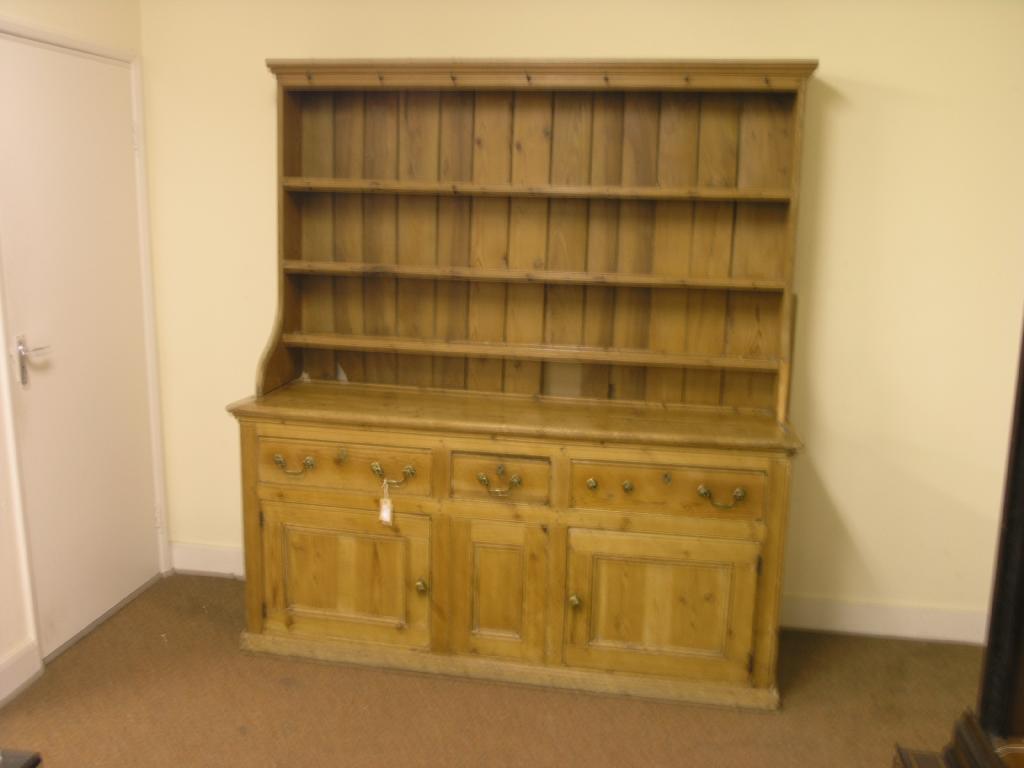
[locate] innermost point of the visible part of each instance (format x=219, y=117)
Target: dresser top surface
x=367, y=405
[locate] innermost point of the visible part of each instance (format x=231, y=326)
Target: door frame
x=22, y=674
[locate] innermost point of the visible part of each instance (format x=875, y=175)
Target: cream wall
x=910, y=263
x=112, y=25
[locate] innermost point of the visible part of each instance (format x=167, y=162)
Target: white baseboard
x=913, y=622
x=18, y=669
x=207, y=559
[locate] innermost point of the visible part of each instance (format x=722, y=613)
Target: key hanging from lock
x=386, y=506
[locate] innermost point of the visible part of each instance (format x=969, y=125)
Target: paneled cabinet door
x=500, y=581
x=661, y=605
x=341, y=573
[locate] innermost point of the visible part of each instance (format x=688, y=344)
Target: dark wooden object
x=1001, y=700
x=11, y=759
x=971, y=747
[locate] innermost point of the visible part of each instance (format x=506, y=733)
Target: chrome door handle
x=24, y=352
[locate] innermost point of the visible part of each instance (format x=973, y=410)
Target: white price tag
x=386, y=507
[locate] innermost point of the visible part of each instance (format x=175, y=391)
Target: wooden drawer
x=346, y=466
x=519, y=479
x=667, y=489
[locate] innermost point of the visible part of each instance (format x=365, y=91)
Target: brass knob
x=421, y=586
x=591, y=483
x=574, y=600
x=628, y=486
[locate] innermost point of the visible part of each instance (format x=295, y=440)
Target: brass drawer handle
x=574, y=601
x=422, y=587
x=628, y=486
x=409, y=472
x=591, y=483
x=738, y=495
x=308, y=465
x=513, y=482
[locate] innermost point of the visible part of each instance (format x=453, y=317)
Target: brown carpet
x=163, y=683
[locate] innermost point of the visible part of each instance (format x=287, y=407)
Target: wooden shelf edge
x=545, y=352
x=631, y=74
x=475, y=274
x=475, y=189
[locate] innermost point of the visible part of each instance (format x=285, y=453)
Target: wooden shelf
x=621, y=230
x=585, y=191
x=479, y=274
x=543, y=352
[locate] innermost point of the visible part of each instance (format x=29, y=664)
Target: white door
x=69, y=249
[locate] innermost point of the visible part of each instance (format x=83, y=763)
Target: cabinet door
x=663, y=605
x=499, y=577
x=341, y=573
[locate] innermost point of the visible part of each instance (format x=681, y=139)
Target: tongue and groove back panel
x=611, y=244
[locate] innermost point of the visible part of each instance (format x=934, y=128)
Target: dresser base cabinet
x=501, y=560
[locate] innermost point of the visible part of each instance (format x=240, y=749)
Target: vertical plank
x=759, y=241
x=380, y=161
x=461, y=569
x=769, y=590
x=765, y=160
x=418, y=153
x=498, y=588
x=659, y=608
x=348, y=227
x=557, y=545
x=453, y=228
x=752, y=330
x=567, y=236
x=252, y=529
x=712, y=242
x=602, y=237
x=318, y=229
x=788, y=318
x=535, y=566
x=579, y=580
x=442, y=580
x=281, y=364
x=528, y=219
x=492, y=155
x=348, y=579
x=673, y=223
x=765, y=141
x=759, y=251
x=636, y=238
